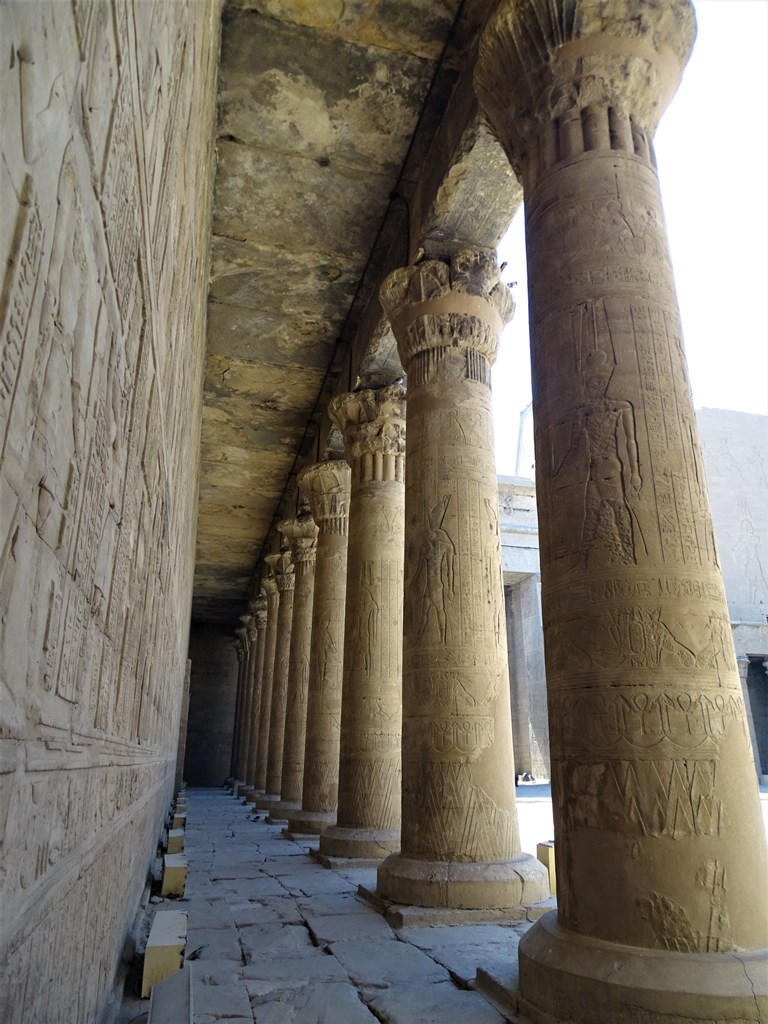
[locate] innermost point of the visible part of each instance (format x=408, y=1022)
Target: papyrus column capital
x=373, y=425
x=543, y=63
x=439, y=305
x=258, y=608
x=326, y=487
x=301, y=535
x=281, y=568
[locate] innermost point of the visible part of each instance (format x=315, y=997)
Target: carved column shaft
x=284, y=576
x=325, y=485
x=259, y=607
x=301, y=534
x=459, y=829
x=248, y=666
x=368, y=820
x=270, y=643
x=653, y=784
x=237, y=727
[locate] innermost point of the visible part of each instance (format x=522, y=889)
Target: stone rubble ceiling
x=317, y=106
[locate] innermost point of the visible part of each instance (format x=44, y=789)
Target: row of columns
x=403, y=672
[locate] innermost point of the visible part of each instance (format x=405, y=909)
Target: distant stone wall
x=735, y=449
x=106, y=128
x=211, y=706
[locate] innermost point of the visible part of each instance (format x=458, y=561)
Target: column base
x=467, y=886
x=310, y=823
x=265, y=801
x=280, y=809
x=566, y=976
x=254, y=793
x=367, y=843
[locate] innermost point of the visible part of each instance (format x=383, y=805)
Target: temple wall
x=735, y=450
x=212, y=695
x=103, y=240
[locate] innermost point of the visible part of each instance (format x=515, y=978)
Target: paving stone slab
x=440, y=1003
x=316, y=882
x=332, y=903
x=332, y=929
x=384, y=962
x=249, y=868
x=215, y=972
x=329, y=1003
x=214, y=944
x=207, y=913
x=238, y=889
x=272, y=910
x=217, y=1002
x=273, y=941
x=312, y=966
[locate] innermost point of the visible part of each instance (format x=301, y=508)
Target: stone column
x=527, y=678
x=368, y=820
x=661, y=860
x=325, y=485
x=241, y=650
x=259, y=609
x=460, y=842
x=183, y=718
x=246, y=622
x=301, y=535
x=285, y=578
x=269, y=583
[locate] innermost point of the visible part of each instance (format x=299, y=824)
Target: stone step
x=164, y=954
x=171, y=1000
x=175, y=869
x=175, y=840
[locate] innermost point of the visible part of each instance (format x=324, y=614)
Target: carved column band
x=653, y=784
x=282, y=567
x=368, y=821
x=460, y=845
x=269, y=583
x=259, y=609
x=301, y=536
x=325, y=485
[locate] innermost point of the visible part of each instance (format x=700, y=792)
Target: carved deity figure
x=602, y=466
x=436, y=563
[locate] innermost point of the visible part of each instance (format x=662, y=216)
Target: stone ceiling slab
x=325, y=108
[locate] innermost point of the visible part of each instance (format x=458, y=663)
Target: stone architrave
x=326, y=487
x=368, y=820
x=241, y=650
x=269, y=583
x=259, y=609
x=661, y=857
x=250, y=656
x=285, y=579
x=460, y=842
x=301, y=536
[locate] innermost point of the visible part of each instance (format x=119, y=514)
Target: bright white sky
x=712, y=153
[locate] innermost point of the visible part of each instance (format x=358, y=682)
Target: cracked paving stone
x=332, y=903
x=272, y=910
x=214, y=944
x=332, y=929
x=274, y=941
x=325, y=1003
x=439, y=1003
x=384, y=962
x=220, y=1002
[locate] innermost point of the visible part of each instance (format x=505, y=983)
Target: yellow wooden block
x=545, y=852
x=179, y=820
x=174, y=874
x=176, y=840
x=164, y=954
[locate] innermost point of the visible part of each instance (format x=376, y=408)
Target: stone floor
x=274, y=938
